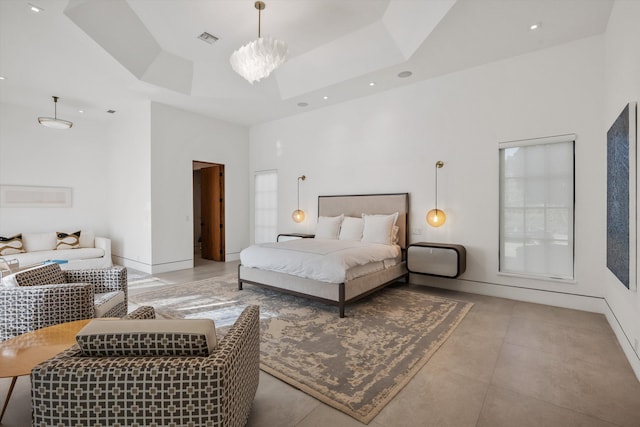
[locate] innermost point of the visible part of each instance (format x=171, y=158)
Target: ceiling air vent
x=209, y=38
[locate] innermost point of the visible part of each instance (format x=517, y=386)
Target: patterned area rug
x=356, y=364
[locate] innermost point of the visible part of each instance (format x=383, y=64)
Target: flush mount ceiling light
x=55, y=122
x=257, y=59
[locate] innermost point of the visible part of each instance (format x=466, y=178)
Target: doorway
x=208, y=210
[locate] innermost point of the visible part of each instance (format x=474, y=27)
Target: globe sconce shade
x=436, y=217
x=298, y=215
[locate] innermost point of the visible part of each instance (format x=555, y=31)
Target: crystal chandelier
x=257, y=59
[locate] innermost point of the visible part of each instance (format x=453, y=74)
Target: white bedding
x=325, y=260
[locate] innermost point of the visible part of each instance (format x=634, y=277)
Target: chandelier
x=257, y=59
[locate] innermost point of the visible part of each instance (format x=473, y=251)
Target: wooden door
x=212, y=212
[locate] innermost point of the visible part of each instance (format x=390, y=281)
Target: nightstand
x=436, y=259
x=283, y=237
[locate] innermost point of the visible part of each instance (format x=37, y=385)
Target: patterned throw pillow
x=11, y=245
x=68, y=241
x=49, y=274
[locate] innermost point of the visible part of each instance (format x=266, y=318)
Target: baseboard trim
x=559, y=299
x=172, y=266
x=625, y=342
x=129, y=263
x=153, y=268
x=536, y=296
x=234, y=256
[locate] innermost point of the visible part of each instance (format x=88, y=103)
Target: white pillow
x=379, y=228
x=87, y=239
x=351, y=228
x=395, y=239
x=328, y=227
x=34, y=242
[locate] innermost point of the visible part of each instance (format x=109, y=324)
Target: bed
x=332, y=288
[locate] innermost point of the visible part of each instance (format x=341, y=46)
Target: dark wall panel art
x=621, y=197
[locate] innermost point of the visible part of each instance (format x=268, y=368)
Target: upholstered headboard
x=356, y=205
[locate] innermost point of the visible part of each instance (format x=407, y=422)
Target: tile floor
x=509, y=363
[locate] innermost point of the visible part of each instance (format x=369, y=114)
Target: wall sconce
x=436, y=217
x=298, y=215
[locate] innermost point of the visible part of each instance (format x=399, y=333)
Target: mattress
x=325, y=260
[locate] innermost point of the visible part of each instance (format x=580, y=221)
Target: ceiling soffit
x=119, y=31
x=390, y=39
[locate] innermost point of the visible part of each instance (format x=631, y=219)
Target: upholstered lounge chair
x=45, y=296
x=213, y=389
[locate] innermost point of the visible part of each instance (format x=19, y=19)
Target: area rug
x=356, y=364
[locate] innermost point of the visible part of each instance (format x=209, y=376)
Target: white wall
x=129, y=195
x=177, y=138
x=622, y=85
x=390, y=142
x=131, y=179
x=31, y=154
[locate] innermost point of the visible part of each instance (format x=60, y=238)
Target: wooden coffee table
x=19, y=355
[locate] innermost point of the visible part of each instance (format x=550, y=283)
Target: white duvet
x=318, y=259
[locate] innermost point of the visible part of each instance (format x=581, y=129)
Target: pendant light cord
x=436, y=189
x=303, y=177
x=259, y=5
x=298, y=193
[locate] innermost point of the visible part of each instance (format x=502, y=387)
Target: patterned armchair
x=214, y=390
x=45, y=296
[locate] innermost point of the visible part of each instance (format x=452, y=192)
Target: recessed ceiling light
x=405, y=74
x=81, y=111
x=535, y=26
x=372, y=83
x=35, y=9
x=303, y=104
x=111, y=111
x=325, y=97
x=1, y=77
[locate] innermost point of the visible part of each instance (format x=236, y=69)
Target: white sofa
x=94, y=251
